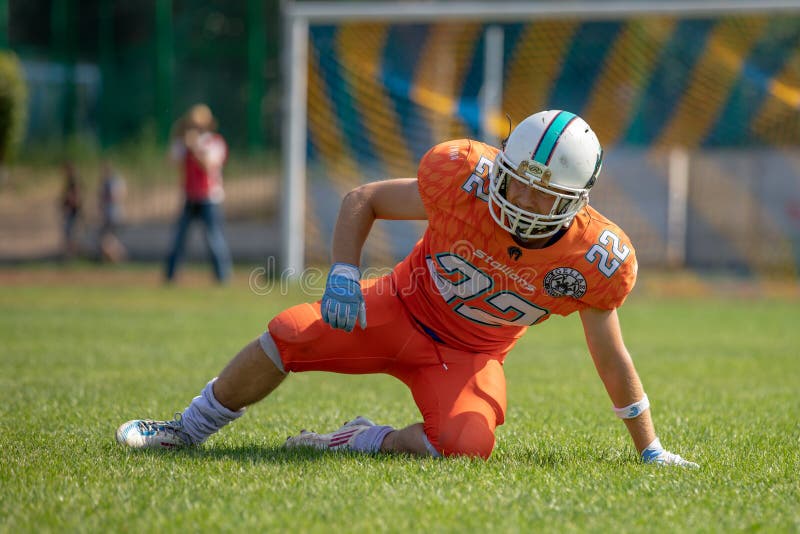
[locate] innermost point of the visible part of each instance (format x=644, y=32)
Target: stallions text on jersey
x=472, y=286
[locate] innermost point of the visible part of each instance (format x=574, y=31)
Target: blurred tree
x=119, y=71
x=3, y=23
x=13, y=103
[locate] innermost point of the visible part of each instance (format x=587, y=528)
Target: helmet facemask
x=526, y=224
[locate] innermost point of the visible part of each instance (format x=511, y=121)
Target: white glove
x=655, y=454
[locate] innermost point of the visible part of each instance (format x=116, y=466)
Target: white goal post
x=298, y=16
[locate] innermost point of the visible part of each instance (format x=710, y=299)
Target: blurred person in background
x=201, y=153
x=71, y=206
x=511, y=240
x=111, y=196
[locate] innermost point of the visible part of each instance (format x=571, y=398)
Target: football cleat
x=341, y=439
x=150, y=434
x=662, y=457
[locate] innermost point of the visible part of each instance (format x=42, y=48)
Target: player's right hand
x=343, y=303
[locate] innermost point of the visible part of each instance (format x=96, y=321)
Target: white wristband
x=633, y=410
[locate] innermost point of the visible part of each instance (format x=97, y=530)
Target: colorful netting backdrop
x=725, y=88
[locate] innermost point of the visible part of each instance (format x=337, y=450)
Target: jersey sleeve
x=440, y=172
x=614, y=271
x=619, y=289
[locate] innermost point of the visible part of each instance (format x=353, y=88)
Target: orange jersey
x=469, y=284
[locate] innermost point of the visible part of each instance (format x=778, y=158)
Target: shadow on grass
x=545, y=457
x=251, y=454
x=258, y=454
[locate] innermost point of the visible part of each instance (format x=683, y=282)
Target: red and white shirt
x=202, y=184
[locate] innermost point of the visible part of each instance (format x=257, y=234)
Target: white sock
x=371, y=439
x=205, y=415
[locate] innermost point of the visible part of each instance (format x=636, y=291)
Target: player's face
x=528, y=198
x=532, y=200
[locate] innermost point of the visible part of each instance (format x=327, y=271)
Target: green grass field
x=83, y=352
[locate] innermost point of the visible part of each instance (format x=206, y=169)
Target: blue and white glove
x=655, y=454
x=343, y=303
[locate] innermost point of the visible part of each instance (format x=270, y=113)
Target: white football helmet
x=554, y=152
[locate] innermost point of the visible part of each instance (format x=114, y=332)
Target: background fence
x=716, y=95
x=698, y=114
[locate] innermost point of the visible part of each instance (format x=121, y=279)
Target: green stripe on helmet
x=550, y=138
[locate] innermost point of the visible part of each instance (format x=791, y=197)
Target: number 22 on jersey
x=472, y=287
x=607, y=264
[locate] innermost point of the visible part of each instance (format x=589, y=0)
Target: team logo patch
x=565, y=282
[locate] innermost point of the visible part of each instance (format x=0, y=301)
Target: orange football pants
x=461, y=404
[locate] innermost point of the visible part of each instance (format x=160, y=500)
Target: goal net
x=698, y=109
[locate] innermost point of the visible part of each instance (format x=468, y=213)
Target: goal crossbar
x=410, y=12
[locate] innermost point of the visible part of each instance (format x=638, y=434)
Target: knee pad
x=298, y=325
x=467, y=434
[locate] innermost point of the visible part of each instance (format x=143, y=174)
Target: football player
x=511, y=240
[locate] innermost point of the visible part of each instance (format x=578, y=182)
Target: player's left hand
x=343, y=303
x=656, y=454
